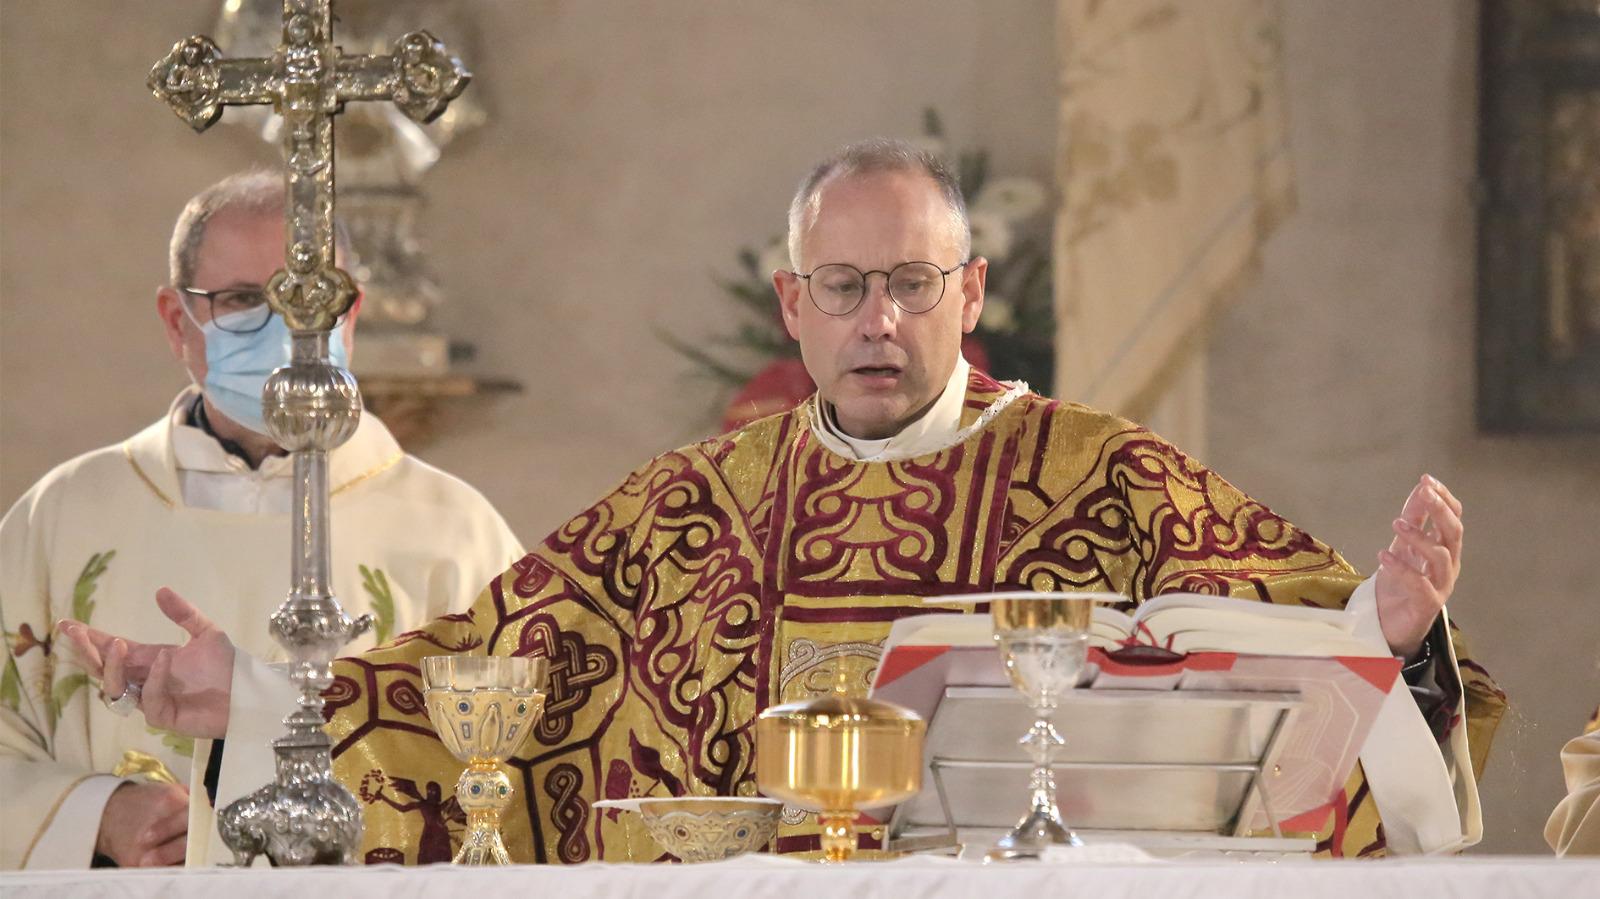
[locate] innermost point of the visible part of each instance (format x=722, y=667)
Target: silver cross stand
x=306, y=817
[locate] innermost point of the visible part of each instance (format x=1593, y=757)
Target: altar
x=1506, y=876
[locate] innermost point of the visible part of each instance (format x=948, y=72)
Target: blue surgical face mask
x=237, y=366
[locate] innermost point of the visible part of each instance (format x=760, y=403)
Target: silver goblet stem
x=1042, y=826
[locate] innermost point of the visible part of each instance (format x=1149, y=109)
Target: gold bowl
x=837, y=756
x=705, y=828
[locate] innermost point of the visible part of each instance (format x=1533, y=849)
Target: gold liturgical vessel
x=838, y=755
x=484, y=708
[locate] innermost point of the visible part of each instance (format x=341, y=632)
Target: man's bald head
x=253, y=194
x=250, y=194
x=878, y=155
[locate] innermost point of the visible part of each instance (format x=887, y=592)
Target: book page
x=1192, y=623
x=1274, y=642
x=1168, y=604
x=1180, y=622
x=1110, y=628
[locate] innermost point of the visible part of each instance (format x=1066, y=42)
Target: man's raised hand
x=186, y=688
x=1418, y=572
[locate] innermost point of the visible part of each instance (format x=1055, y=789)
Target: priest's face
x=239, y=249
x=879, y=365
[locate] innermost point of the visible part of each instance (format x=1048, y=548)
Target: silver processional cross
x=311, y=406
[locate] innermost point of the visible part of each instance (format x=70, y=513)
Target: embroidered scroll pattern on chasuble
x=758, y=568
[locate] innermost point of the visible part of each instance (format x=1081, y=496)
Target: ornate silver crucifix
x=306, y=817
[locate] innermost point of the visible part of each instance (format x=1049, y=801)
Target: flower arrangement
x=1015, y=337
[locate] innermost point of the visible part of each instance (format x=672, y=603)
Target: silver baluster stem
x=1047, y=665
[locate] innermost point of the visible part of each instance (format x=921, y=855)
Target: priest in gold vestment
x=756, y=567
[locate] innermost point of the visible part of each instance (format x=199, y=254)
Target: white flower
x=998, y=314
x=773, y=257
x=991, y=235
x=1013, y=199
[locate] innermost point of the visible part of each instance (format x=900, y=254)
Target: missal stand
x=1171, y=772
x=1178, y=753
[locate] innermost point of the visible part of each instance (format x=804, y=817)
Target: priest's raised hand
x=184, y=688
x=1418, y=571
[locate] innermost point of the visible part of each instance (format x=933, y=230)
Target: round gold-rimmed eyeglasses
x=839, y=288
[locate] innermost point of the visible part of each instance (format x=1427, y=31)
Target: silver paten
x=311, y=406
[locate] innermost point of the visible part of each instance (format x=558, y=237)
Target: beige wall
x=634, y=146
x=1348, y=370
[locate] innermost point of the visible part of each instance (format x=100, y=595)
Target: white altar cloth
x=1488, y=876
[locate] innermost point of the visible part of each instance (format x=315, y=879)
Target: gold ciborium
x=1044, y=641
x=483, y=708
x=837, y=755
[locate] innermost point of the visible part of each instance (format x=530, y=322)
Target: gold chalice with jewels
x=1043, y=640
x=483, y=708
x=838, y=755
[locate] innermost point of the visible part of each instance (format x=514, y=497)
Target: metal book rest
x=1163, y=769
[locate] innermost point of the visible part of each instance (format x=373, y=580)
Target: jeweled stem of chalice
x=1043, y=641
x=483, y=708
x=484, y=792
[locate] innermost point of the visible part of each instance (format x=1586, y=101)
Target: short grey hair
x=254, y=192
x=879, y=154
x=257, y=191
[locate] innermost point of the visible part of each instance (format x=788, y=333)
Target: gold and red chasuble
x=749, y=569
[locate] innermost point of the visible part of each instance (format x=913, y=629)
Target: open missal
x=1208, y=647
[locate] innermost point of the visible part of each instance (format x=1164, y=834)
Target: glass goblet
x=1043, y=639
x=483, y=708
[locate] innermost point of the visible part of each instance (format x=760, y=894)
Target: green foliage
x=11, y=685
x=1024, y=350
x=376, y=584
x=82, y=604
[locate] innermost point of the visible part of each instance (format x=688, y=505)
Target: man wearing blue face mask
x=244, y=343
x=199, y=502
